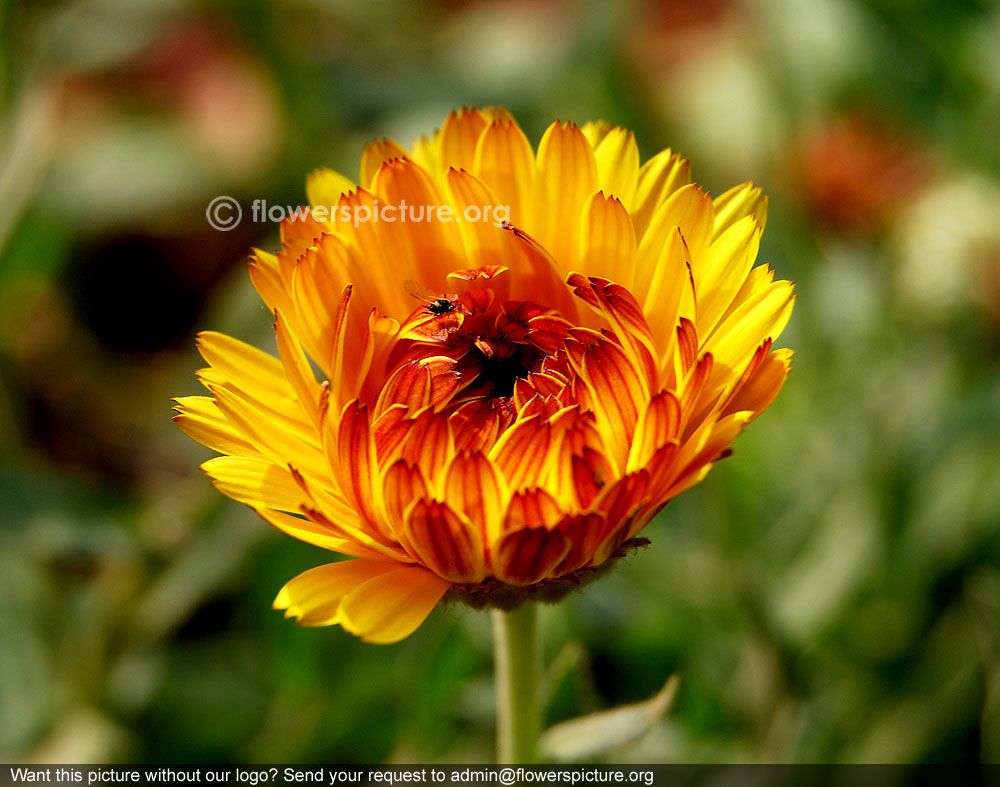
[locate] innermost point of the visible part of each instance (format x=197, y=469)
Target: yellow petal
x=737, y=202
x=617, y=157
x=299, y=372
x=390, y=606
x=313, y=533
x=723, y=270
x=314, y=596
x=482, y=238
x=595, y=131
x=659, y=177
x=419, y=238
x=256, y=482
x=254, y=371
x=284, y=440
x=201, y=420
x=688, y=208
x=506, y=163
x=669, y=297
x=324, y=187
x=760, y=317
x=607, y=245
x=567, y=176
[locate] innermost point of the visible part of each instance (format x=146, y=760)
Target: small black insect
x=434, y=305
x=440, y=306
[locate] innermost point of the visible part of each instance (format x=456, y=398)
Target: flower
x=856, y=174
x=568, y=370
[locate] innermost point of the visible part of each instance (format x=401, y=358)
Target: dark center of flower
x=500, y=366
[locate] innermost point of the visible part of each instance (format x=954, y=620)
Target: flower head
x=583, y=346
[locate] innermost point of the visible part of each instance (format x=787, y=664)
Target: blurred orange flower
x=574, y=361
x=855, y=175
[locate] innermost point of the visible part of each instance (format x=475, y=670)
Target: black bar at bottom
x=506, y=776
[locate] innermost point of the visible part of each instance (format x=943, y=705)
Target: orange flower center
x=472, y=347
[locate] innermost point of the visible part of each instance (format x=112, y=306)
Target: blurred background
x=829, y=594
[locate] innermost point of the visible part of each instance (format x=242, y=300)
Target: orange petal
x=759, y=391
x=618, y=393
x=402, y=485
x=417, y=238
x=459, y=138
x=620, y=309
x=531, y=508
x=429, y=443
x=591, y=471
x=355, y=459
x=620, y=502
x=476, y=425
x=521, y=451
x=719, y=439
x=584, y=534
x=567, y=175
x=389, y=430
x=660, y=423
x=482, y=234
x=445, y=542
x=523, y=557
x=377, y=153
x=534, y=270
x=506, y=163
x=475, y=486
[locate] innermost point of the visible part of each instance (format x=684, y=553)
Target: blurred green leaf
x=598, y=733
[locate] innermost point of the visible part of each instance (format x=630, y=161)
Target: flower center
x=502, y=364
x=479, y=349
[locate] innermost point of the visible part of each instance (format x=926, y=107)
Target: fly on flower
x=434, y=305
x=506, y=441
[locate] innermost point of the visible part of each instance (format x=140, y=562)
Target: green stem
x=516, y=655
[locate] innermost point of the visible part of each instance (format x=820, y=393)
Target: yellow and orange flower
x=573, y=368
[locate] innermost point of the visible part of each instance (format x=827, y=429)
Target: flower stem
x=516, y=656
